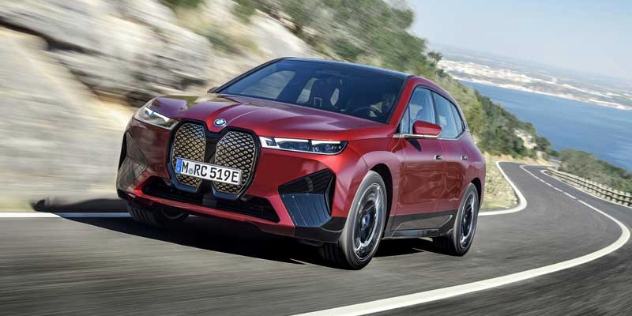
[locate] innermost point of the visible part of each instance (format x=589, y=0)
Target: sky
x=587, y=36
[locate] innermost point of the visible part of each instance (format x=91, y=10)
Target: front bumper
x=300, y=195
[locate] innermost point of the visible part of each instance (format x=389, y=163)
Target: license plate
x=208, y=171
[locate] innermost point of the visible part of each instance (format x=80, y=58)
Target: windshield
x=343, y=88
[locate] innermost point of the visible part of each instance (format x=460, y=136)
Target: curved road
x=212, y=267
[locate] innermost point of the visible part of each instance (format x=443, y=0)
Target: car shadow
x=399, y=247
x=216, y=234
x=78, y=204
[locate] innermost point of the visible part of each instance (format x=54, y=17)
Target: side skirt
x=421, y=225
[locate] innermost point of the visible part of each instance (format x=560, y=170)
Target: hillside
x=128, y=51
x=373, y=32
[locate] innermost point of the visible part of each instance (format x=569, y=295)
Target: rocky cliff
x=62, y=62
x=130, y=48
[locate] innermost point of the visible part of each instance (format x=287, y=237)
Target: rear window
x=347, y=89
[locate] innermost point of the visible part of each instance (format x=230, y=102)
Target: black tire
x=455, y=243
x=157, y=217
x=345, y=253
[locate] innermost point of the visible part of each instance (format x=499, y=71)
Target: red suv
x=337, y=154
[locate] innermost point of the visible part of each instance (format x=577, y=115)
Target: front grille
x=236, y=150
x=189, y=143
x=132, y=164
x=233, y=149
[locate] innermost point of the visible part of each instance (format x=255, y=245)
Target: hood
x=268, y=118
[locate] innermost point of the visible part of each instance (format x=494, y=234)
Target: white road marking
x=61, y=215
x=522, y=202
x=572, y=197
x=443, y=293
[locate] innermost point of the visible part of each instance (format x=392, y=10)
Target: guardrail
x=591, y=187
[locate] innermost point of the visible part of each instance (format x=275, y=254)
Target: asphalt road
x=212, y=267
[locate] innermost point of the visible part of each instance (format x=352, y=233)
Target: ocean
x=602, y=131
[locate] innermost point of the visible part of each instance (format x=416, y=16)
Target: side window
x=445, y=117
x=457, y=120
x=404, y=126
x=420, y=108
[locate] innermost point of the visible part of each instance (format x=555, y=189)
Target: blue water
x=603, y=131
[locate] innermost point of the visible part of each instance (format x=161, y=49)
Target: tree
x=435, y=57
x=543, y=144
x=303, y=13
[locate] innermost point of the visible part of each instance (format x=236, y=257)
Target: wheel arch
x=479, y=187
x=377, y=155
x=386, y=175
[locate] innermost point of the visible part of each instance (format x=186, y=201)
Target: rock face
x=56, y=138
x=131, y=48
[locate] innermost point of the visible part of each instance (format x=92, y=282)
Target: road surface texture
x=212, y=267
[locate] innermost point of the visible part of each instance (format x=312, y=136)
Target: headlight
x=149, y=116
x=323, y=147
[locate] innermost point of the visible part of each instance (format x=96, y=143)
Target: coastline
x=558, y=95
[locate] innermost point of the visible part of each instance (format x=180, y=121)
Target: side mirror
x=423, y=129
x=211, y=90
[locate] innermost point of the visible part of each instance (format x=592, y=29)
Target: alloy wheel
x=366, y=231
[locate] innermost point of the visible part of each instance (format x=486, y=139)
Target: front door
x=422, y=166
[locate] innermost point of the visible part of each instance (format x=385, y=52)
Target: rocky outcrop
x=56, y=138
x=127, y=48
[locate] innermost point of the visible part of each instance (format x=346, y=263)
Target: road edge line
x=522, y=202
x=586, y=192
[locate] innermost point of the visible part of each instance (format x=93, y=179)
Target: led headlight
x=149, y=116
x=323, y=147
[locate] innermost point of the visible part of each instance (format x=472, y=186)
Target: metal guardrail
x=596, y=189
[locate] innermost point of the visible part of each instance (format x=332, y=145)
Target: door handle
x=464, y=157
x=438, y=157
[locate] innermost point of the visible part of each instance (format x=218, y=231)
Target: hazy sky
x=592, y=36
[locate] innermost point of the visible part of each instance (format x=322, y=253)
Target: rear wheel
x=363, y=230
x=156, y=217
x=459, y=240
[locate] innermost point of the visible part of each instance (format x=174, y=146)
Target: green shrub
x=586, y=165
x=222, y=41
x=346, y=50
x=174, y=4
x=244, y=10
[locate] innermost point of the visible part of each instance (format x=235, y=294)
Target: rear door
x=422, y=170
x=454, y=152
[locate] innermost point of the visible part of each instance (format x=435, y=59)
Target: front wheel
x=459, y=240
x=363, y=230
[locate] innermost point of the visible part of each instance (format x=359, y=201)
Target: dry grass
x=498, y=193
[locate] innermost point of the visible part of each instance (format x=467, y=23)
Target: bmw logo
x=220, y=122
